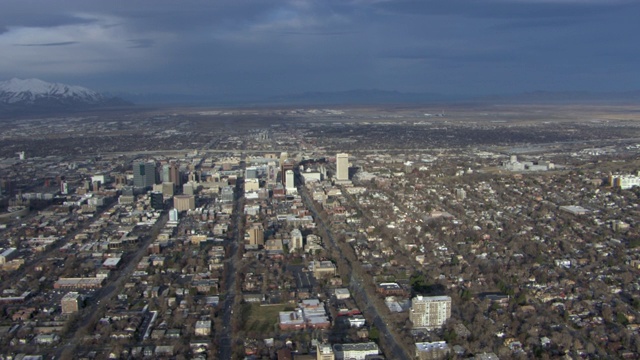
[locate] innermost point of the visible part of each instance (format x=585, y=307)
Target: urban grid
x=349, y=233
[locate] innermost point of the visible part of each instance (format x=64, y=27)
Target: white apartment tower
x=342, y=167
x=173, y=215
x=296, y=240
x=430, y=312
x=289, y=181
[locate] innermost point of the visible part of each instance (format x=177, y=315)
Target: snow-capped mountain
x=37, y=93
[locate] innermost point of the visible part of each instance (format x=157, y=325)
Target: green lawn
x=261, y=318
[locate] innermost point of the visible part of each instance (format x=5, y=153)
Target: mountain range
x=18, y=95
x=36, y=96
x=375, y=97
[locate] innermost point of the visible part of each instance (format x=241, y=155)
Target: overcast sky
x=270, y=47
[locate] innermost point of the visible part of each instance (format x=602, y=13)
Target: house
x=342, y=293
x=203, y=328
x=356, y=321
x=164, y=350
x=46, y=339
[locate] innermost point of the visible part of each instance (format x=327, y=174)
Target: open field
x=261, y=318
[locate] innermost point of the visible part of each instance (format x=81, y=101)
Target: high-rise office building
x=164, y=174
x=127, y=191
x=254, y=235
x=157, y=200
x=272, y=172
x=251, y=185
x=251, y=173
x=296, y=240
x=430, y=312
x=290, y=182
x=174, y=174
x=144, y=174
x=173, y=215
x=64, y=187
x=168, y=189
x=120, y=179
x=184, y=202
x=286, y=166
x=342, y=167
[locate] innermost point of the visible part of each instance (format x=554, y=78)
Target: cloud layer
x=271, y=47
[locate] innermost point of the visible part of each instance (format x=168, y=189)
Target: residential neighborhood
x=303, y=238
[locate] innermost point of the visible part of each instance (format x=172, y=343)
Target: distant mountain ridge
x=559, y=97
x=35, y=94
x=360, y=96
x=389, y=97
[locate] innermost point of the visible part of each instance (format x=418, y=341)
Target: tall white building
x=342, y=167
x=289, y=181
x=173, y=215
x=64, y=188
x=296, y=240
x=430, y=312
x=624, y=181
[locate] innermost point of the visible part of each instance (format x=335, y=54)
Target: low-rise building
x=356, y=321
x=388, y=289
x=322, y=268
x=184, y=202
x=291, y=320
x=432, y=350
x=324, y=352
x=342, y=293
x=8, y=255
x=70, y=303
x=430, y=312
x=203, y=328
x=79, y=283
x=355, y=351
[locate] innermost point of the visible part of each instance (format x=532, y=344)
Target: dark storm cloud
x=285, y=46
x=315, y=33
x=501, y=9
x=141, y=43
x=63, y=43
x=541, y=23
x=33, y=19
x=494, y=57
